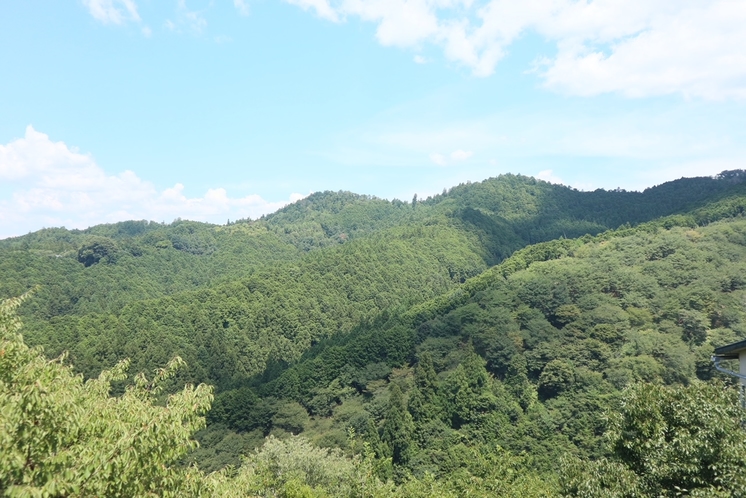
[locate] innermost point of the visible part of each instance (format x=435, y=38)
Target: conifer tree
x=397, y=426
x=423, y=401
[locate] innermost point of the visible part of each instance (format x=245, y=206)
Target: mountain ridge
x=500, y=318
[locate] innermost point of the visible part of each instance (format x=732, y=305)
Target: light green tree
x=294, y=468
x=668, y=441
x=61, y=436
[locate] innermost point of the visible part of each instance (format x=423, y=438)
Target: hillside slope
x=345, y=312
x=233, y=299
x=528, y=359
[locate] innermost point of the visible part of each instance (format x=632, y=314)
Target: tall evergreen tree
x=397, y=426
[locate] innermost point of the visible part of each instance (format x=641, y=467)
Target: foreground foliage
x=61, y=436
x=668, y=441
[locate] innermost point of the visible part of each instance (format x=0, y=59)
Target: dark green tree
x=96, y=250
x=423, y=402
x=516, y=380
x=397, y=427
x=557, y=376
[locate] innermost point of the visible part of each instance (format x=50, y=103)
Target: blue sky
x=223, y=109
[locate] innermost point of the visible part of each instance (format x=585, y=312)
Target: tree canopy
x=509, y=337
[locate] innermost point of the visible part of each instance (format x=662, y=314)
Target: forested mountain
x=546, y=345
x=484, y=332
x=230, y=298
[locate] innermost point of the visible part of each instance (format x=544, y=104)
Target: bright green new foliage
x=60, y=436
x=668, y=441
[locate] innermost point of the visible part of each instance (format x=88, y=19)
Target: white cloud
x=322, y=8
x=461, y=155
x=418, y=59
x=112, y=11
x=55, y=185
x=456, y=156
x=697, y=49
x=186, y=20
x=438, y=159
x=192, y=19
x=146, y=31
x=638, y=48
x=401, y=23
x=242, y=7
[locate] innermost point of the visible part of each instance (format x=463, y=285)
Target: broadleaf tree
x=61, y=436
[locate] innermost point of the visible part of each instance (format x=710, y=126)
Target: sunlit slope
x=529, y=354
x=232, y=298
x=231, y=330
x=506, y=207
x=130, y=261
x=134, y=260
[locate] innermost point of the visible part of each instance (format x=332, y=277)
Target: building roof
x=732, y=350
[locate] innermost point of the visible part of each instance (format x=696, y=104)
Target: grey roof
x=731, y=350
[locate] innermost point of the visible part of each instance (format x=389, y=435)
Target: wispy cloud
x=56, y=185
x=632, y=145
x=438, y=159
x=187, y=20
x=461, y=155
x=458, y=156
x=242, y=7
x=113, y=11
x=636, y=48
x=322, y=8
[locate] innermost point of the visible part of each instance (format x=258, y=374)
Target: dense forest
x=504, y=338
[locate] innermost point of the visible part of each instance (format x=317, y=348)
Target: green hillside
x=552, y=344
x=310, y=271
x=483, y=333
x=229, y=331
